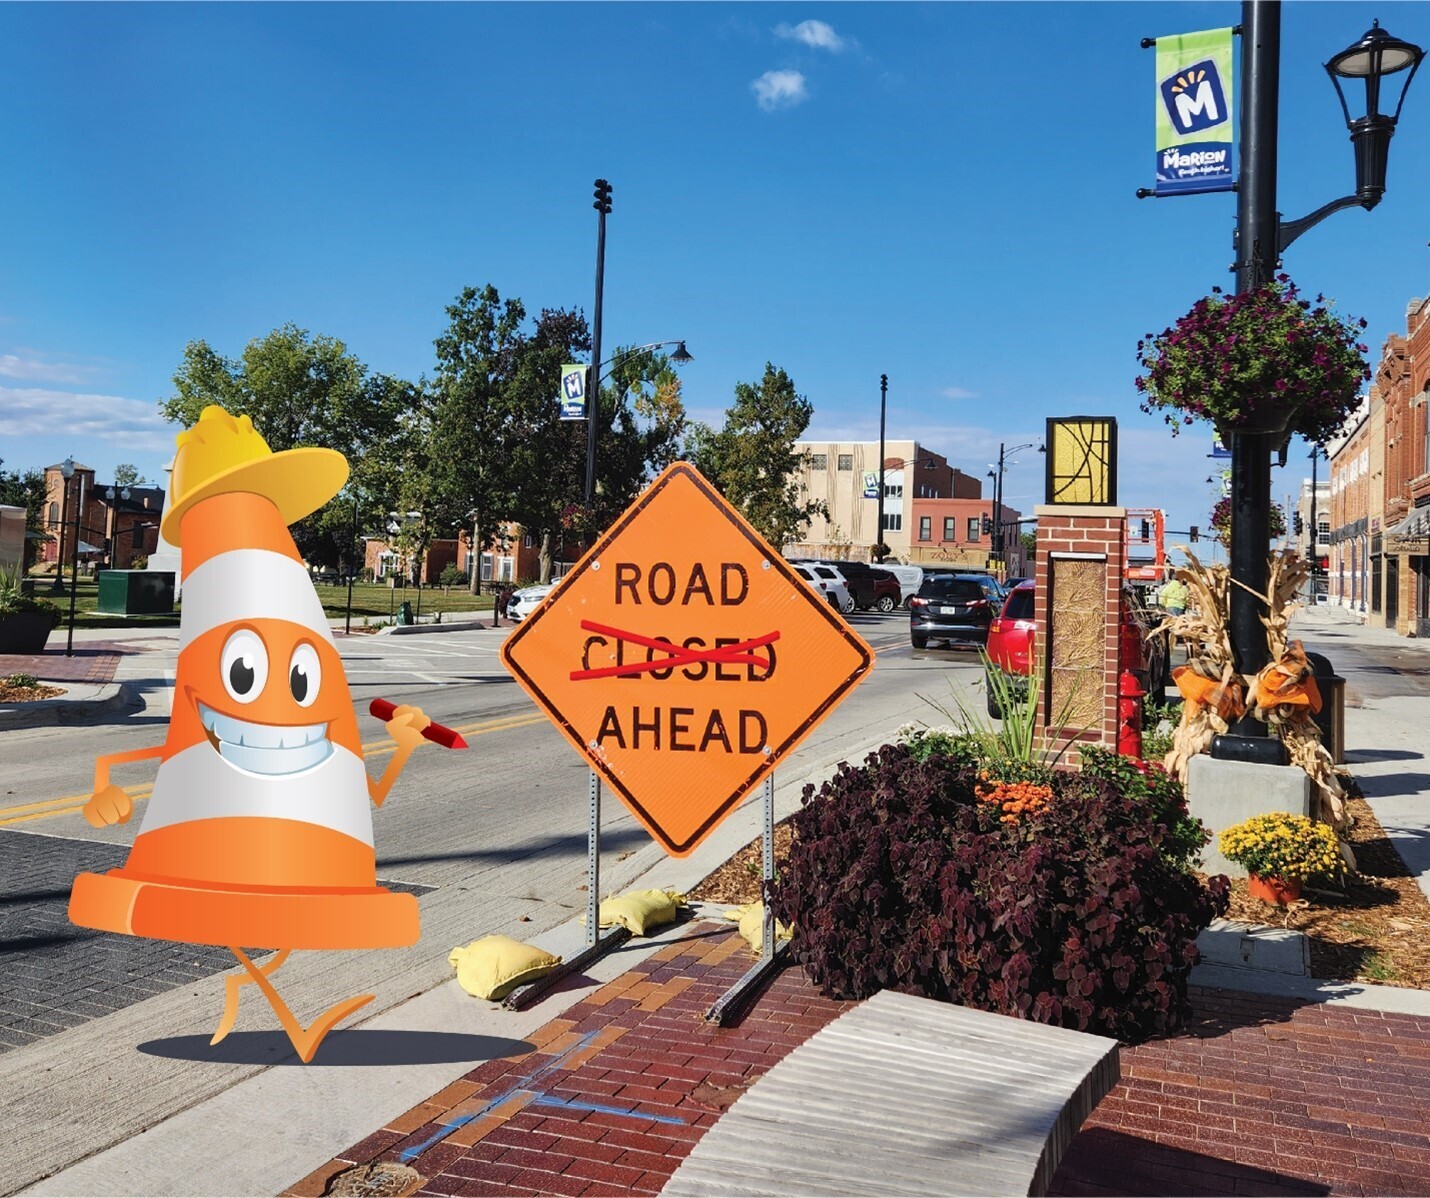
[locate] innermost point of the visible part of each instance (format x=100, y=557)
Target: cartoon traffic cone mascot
x=258, y=831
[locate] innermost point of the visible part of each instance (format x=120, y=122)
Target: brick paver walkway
x=1258, y=1096
x=94, y=661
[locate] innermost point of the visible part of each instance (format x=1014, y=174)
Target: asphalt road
x=491, y=839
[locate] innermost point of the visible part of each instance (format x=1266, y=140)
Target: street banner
x=1194, y=113
x=871, y=484
x=573, y=391
x=1219, y=449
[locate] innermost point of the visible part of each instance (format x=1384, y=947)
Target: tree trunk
x=545, y=558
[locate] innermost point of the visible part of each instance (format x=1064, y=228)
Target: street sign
x=871, y=484
x=573, y=391
x=683, y=658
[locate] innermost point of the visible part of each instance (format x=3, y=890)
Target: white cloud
x=813, y=33
x=121, y=423
x=779, y=89
x=34, y=368
x=958, y=393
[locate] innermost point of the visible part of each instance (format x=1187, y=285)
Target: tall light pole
x=74, y=559
x=998, y=494
x=352, y=564
x=1260, y=238
x=602, y=206
x=879, y=533
x=113, y=536
x=66, y=473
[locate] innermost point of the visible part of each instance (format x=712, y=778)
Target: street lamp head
x=67, y=468
x=680, y=357
x=1376, y=55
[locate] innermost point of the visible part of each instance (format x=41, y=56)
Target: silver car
x=526, y=600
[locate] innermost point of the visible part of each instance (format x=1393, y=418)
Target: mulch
x=28, y=694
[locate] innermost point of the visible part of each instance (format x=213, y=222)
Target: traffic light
x=1298, y=524
x=987, y=526
x=603, y=197
x=1193, y=533
x=1146, y=530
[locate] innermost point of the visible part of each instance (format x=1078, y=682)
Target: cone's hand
x=112, y=805
x=406, y=726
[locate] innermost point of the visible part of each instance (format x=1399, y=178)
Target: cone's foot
x=305, y=1041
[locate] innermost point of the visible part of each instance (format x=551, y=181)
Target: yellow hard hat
x=222, y=454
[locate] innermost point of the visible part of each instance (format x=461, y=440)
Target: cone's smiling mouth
x=266, y=748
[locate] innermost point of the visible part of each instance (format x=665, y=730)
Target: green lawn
x=373, y=600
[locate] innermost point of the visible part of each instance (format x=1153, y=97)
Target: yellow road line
x=72, y=803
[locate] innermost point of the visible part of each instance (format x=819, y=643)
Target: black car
x=859, y=578
x=953, y=607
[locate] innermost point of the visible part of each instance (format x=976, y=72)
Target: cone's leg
x=231, y=986
x=304, y=1040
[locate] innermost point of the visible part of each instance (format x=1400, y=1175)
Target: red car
x=1010, y=643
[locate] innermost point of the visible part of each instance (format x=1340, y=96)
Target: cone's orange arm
x=377, y=791
x=102, y=765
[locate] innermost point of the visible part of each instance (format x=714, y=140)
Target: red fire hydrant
x=1129, y=715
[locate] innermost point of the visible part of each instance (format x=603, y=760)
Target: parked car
x=953, y=607
x=826, y=584
x=526, y=600
x=887, y=592
x=1010, y=643
x=910, y=579
x=859, y=578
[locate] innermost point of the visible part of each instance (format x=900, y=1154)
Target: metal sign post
x=596, y=944
x=733, y=1000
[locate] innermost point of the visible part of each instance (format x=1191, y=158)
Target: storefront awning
x=1411, y=535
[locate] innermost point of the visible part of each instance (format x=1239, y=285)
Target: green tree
x=26, y=489
x=127, y=475
x=464, y=467
x=1030, y=544
x=752, y=460
x=300, y=389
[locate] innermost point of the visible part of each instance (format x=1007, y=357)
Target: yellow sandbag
x=640, y=911
x=494, y=966
x=751, y=918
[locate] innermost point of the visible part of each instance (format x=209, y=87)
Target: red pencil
x=448, y=738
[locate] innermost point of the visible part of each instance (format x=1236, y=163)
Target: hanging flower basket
x=1265, y=361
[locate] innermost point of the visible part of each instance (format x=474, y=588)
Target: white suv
x=828, y=581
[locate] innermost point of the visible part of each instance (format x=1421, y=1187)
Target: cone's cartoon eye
x=305, y=675
x=244, y=665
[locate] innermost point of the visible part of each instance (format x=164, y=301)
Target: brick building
x=1403, y=381
x=116, y=524
x=846, y=476
x=951, y=532
x=1345, y=513
x=514, y=557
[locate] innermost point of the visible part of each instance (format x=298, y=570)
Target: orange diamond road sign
x=682, y=657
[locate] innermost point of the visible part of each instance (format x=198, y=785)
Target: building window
x=975, y=526
x=893, y=521
x=819, y=461
x=528, y=541
x=926, y=528
x=893, y=490
x=846, y=461
x=507, y=570
x=950, y=528
x=486, y=568
x=54, y=512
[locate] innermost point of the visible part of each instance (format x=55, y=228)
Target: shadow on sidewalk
x=1103, y=1161
x=357, y=1047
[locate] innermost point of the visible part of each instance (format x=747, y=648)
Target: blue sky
x=942, y=193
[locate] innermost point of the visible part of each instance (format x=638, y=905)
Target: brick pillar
x=1079, y=582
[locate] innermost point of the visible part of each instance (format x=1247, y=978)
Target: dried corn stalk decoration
x=1283, y=695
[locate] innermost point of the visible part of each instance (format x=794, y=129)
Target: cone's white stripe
x=199, y=784
x=249, y=584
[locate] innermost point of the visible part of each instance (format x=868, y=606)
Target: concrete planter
x=25, y=631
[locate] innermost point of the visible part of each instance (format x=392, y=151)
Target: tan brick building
x=1344, y=537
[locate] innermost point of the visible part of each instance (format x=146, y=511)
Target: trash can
x=1331, y=719
x=404, y=613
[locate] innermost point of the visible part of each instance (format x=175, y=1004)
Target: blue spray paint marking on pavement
x=522, y=1085
x=576, y=1104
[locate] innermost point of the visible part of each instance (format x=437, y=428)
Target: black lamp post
x=602, y=206
x=1260, y=238
x=113, y=537
x=352, y=565
x=67, y=473
x=74, y=555
x=997, y=545
x=879, y=532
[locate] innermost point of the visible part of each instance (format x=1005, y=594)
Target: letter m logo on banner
x=1194, y=98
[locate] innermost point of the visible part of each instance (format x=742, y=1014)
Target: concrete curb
x=445, y=626
x=51, y=713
